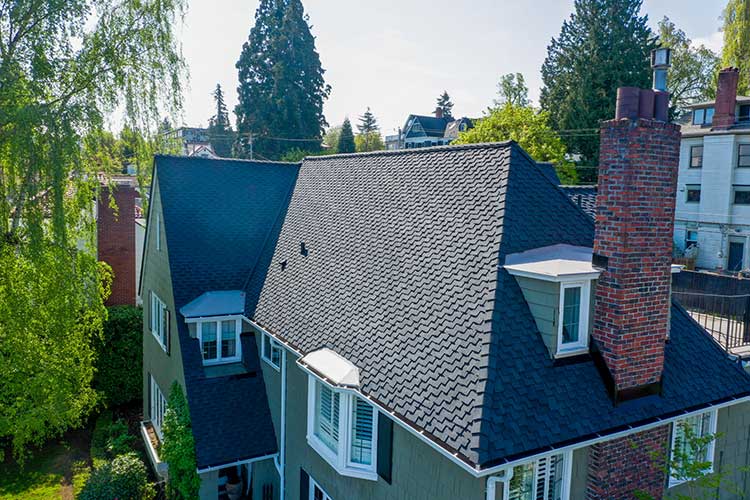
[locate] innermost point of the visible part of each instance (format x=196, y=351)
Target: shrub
x=124, y=478
x=109, y=439
x=178, y=448
x=119, y=360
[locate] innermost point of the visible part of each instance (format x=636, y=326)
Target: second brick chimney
x=639, y=156
x=726, y=99
x=116, y=240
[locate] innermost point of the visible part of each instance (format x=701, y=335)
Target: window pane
x=742, y=197
x=521, y=485
x=709, y=116
x=266, y=346
x=275, y=355
x=327, y=416
x=554, y=484
x=208, y=335
x=743, y=161
x=696, y=156
x=362, y=420
x=698, y=115
x=228, y=339
x=571, y=314
x=693, y=194
x=744, y=149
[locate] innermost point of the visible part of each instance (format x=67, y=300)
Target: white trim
x=160, y=467
x=567, y=474
x=554, y=279
x=219, y=360
x=477, y=472
x=158, y=326
x=282, y=440
x=340, y=459
x=713, y=416
x=268, y=357
x=238, y=462
x=584, y=310
x=158, y=231
x=314, y=484
x=157, y=406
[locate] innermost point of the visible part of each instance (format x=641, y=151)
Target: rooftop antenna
x=661, y=60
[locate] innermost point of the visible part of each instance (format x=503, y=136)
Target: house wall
x=165, y=369
x=715, y=217
x=543, y=298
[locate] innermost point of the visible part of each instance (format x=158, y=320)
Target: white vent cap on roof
x=332, y=366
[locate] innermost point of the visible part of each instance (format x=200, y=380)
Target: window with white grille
x=692, y=445
x=219, y=339
x=342, y=428
x=157, y=407
x=547, y=478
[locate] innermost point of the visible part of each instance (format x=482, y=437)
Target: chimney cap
x=661, y=58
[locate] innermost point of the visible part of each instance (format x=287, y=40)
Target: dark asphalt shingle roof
x=216, y=218
x=583, y=196
x=402, y=276
x=432, y=126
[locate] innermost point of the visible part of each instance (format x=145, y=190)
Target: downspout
x=492, y=481
x=281, y=465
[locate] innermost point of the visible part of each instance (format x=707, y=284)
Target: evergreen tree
x=368, y=138
x=281, y=87
x=512, y=90
x=736, y=51
x=346, y=138
x=444, y=103
x=604, y=45
x=220, y=132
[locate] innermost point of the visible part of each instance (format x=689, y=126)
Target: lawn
x=57, y=471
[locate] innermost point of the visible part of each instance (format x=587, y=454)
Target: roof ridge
x=396, y=152
x=232, y=160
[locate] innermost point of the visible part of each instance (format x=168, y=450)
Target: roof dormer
x=557, y=283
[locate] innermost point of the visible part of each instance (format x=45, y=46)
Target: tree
x=736, y=51
x=281, y=87
x=346, y=138
x=368, y=138
x=530, y=129
x=691, y=76
x=219, y=129
x=331, y=138
x=512, y=90
x=119, y=356
x=444, y=103
x=61, y=73
x=178, y=448
x=604, y=45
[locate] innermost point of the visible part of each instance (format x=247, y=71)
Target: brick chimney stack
x=438, y=112
x=116, y=240
x=639, y=155
x=726, y=99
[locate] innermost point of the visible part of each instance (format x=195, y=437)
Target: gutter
x=479, y=472
x=210, y=468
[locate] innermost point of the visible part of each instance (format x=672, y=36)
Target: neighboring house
x=422, y=131
x=713, y=195
x=119, y=237
x=584, y=196
x=194, y=141
x=431, y=324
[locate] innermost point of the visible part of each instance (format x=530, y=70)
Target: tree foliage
x=512, y=90
x=445, y=105
x=530, y=129
x=65, y=65
x=691, y=76
x=736, y=49
x=51, y=309
x=281, y=87
x=368, y=138
x=219, y=129
x=178, y=448
x=604, y=45
x=119, y=356
x=346, y=138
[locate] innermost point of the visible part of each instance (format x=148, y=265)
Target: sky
x=397, y=56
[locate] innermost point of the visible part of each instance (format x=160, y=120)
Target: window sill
x=158, y=341
x=223, y=361
x=333, y=459
x=573, y=351
x=270, y=363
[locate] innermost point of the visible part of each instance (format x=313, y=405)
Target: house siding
x=165, y=369
x=419, y=472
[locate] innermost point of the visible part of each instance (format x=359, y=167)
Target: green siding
x=543, y=299
x=165, y=369
x=579, y=473
x=418, y=470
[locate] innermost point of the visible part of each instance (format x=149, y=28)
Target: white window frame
x=268, y=356
x=314, y=484
x=158, y=231
x=583, y=319
x=158, y=327
x=567, y=457
x=340, y=459
x=158, y=406
x=219, y=360
x=673, y=481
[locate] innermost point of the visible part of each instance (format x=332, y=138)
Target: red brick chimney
x=639, y=155
x=633, y=241
x=438, y=112
x=726, y=99
x=116, y=240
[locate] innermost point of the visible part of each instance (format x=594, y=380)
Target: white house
x=713, y=191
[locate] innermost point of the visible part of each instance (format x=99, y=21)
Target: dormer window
x=703, y=116
x=219, y=339
x=574, y=317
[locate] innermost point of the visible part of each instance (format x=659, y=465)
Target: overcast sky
x=396, y=56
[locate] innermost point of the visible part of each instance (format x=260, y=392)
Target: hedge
x=119, y=360
x=124, y=478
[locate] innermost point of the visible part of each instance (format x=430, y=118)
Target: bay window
x=342, y=428
x=219, y=339
x=547, y=478
x=693, y=440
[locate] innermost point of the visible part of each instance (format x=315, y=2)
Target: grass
x=57, y=471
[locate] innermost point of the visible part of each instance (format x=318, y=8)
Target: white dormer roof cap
x=559, y=262
x=333, y=367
